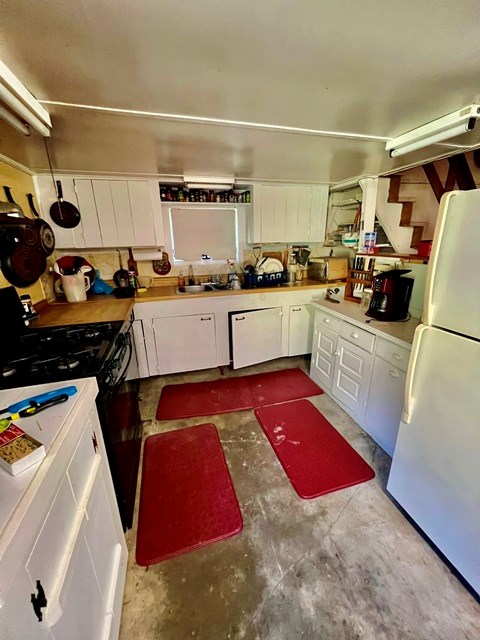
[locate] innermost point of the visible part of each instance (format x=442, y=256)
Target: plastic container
x=424, y=248
x=365, y=301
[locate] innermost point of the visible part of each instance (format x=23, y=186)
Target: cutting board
x=278, y=255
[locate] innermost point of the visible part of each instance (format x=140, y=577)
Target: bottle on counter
x=181, y=279
x=191, y=277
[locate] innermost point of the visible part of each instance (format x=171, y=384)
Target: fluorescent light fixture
x=208, y=182
x=6, y=115
x=449, y=126
x=24, y=105
x=206, y=185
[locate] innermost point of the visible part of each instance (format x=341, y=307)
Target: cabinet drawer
x=360, y=337
x=326, y=320
x=397, y=356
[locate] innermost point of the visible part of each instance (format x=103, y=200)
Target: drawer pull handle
x=242, y=318
x=326, y=320
x=396, y=356
x=354, y=336
x=393, y=374
x=209, y=318
x=299, y=309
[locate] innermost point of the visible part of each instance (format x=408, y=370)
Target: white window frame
x=240, y=228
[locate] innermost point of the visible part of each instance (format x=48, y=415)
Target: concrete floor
x=344, y=566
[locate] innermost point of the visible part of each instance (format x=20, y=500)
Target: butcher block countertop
x=155, y=294
x=107, y=308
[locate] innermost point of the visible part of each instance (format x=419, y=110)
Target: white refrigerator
x=435, y=473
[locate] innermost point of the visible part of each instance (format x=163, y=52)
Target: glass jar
x=365, y=300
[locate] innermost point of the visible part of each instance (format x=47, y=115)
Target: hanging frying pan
x=65, y=214
x=12, y=207
x=47, y=239
x=22, y=266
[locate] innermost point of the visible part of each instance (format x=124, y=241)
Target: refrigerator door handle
x=412, y=365
x=432, y=263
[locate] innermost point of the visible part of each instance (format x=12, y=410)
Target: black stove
x=104, y=350
x=53, y=354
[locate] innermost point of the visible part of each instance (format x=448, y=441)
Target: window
x=198, y=232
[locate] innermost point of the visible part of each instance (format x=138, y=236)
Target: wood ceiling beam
x=463, y=172
x=451, y=178
x=434, y=180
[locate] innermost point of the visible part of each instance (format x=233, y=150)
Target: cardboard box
x=18, y=450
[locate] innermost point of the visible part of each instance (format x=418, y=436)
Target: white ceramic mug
x=74, y=287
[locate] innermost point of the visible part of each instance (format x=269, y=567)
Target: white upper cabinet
x=289, y=213
x=64, y=238
x=114, y=213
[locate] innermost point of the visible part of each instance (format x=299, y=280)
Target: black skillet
x=23, y=265
x=47, y=239
x=63, y=213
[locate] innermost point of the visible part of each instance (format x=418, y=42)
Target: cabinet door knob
x=354, y=336
x=326, y=320
x=393, y=374
x=336, y=353
x=396, y=356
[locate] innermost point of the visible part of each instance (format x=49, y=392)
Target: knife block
x=357, y=276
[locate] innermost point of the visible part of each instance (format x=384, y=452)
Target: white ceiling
x=373, y=67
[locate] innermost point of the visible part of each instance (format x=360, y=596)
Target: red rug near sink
x=234, y=394
x=187, y=499
x=315, y=457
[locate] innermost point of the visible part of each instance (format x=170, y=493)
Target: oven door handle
x=121, y=379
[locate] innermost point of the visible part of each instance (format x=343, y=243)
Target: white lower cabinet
x=300, y=326
x=385, y=403
x=185, y=343
x=256, y=336
x=363, y=371
x=323, y=355
x=351, y=378
x=65, y=536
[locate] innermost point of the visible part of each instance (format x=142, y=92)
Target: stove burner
x=8, y=370
x=68, y=364
x=92, y=334
x=49, y=354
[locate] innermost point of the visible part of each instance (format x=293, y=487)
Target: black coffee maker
x=391, y=295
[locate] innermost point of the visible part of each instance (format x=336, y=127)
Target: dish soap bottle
x=191, y=278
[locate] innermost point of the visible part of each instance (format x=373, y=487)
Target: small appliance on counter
x=391, y=295
x=328, y=269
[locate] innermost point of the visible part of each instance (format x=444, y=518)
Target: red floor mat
x=234, y=394
x=187, y=499
x=315, y=457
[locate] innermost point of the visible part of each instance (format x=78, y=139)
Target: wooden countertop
x=155, y=294
x=399, y=332
x=107, y=308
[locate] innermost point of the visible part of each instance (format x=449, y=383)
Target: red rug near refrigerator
x=234, y=394
x=315, y=457
x=187, y=499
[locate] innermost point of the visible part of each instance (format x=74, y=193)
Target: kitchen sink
x=194, y=288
